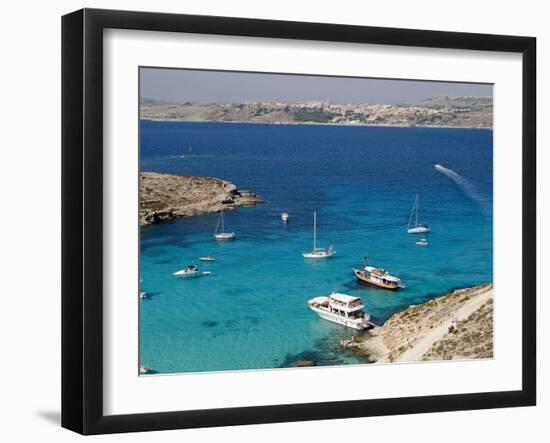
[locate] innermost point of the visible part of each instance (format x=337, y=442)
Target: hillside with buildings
x=442, y=111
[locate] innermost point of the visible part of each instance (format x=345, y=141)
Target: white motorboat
x=318, y=253
x=207, y=259
x=142, y=294
x=342, y=309
x=190, y=271
x=222, y=235
x=284, y=217
x=143, y=369
x=416, y=228
x=422, y=242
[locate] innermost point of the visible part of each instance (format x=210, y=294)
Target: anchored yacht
x=318, y=253
x=222, y=235
x=416, y=228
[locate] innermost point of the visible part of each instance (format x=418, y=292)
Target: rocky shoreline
x=166, y=197
x=456, y=326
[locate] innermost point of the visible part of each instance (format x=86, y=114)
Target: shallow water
x=252, y=312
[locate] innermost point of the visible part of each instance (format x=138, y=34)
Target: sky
x=180, y=85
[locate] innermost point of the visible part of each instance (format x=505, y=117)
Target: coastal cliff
x=456, y=326
x=166, y=196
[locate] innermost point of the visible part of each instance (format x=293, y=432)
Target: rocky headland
x=455, y=326
x=166, y=196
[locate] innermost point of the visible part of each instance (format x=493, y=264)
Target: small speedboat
x=207, y=259
x=143, y=369
x=422, y=242
x=190, y=271
x=284, y=216
x=142, y=294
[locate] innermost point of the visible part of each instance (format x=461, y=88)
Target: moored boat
x=207, y=259
x=417, y=228
x=284, y=216
x=422, y=242
x=222, y=235
x=378, y=277
x=190, y=271
x=343, y=309
x=318, y=253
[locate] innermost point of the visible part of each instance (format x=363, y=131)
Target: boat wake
x=466, y=186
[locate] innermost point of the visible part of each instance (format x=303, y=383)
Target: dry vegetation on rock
x=165, y=196
x=455, y=326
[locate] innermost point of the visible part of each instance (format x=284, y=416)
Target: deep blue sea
x=251, y=312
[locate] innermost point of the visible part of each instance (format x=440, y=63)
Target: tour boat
x=190, y=271
x=222, y=235
x=343, y=309
x=378, y=277
x=422, y=242
x=417, y=228
x=318, y=253
x=284, y=216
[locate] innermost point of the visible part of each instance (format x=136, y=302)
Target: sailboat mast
x=412, y=213
x=314, y=229
x=223, y=228
x=416, y=223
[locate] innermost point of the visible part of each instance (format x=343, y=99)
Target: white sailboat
x=222, y=235
x=417, y=228
x=317, y=253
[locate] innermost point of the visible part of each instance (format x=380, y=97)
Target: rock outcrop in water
x=456, y=326
x=166, y=196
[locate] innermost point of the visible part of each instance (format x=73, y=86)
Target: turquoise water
x=252, y=312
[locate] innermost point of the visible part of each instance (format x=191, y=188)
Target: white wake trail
x=465, y=185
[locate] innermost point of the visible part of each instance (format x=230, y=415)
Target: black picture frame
x=82, y=218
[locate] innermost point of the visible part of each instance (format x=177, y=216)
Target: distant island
x=166, y=196
x=455, y=326
x=441, y=111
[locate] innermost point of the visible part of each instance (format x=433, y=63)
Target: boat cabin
x=346, y=305
x=382, y=275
